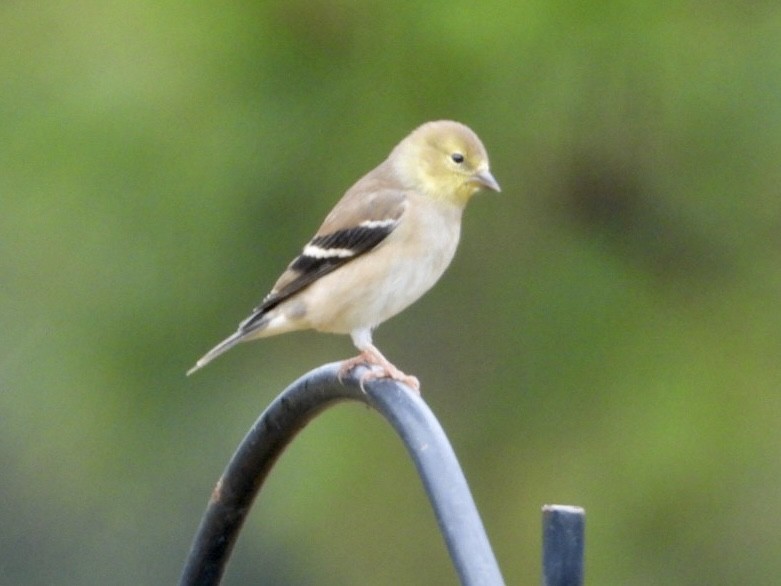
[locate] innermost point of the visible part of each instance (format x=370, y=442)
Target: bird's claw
x=376, y=370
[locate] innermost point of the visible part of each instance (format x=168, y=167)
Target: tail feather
x=220, y=348
x=251, y=328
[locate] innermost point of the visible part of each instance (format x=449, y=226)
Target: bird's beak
x=485, y=179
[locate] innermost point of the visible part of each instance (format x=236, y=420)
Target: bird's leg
x=371, y=356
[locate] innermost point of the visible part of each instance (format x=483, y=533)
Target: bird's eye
x=457, y=158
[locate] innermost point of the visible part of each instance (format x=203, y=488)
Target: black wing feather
x=357, y=241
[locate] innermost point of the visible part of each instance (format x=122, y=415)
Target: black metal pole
x=296, y=406
x=563, y=534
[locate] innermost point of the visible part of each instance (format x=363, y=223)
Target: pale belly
x=360, y=295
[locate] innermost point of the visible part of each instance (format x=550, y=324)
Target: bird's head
x=444, y=160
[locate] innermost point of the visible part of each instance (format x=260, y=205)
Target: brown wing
x=358, y=224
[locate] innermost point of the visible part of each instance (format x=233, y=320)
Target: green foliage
x=608, y=336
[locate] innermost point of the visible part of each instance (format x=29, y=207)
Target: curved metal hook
x=296, y=406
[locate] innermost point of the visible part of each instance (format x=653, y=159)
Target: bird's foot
x=379, y=367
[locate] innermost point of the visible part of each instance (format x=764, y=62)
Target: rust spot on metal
x=217, y=492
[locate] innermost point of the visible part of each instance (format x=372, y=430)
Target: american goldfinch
x=386, y=243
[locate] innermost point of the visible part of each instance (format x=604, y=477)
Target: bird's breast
x=383, y=282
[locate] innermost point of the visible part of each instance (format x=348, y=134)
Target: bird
x=385, y=243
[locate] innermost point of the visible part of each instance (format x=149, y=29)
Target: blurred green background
x=609, y=334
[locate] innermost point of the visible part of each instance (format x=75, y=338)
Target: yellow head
x=444, y=160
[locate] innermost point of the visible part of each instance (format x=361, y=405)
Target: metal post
x=563, y=529
x=301, y=402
